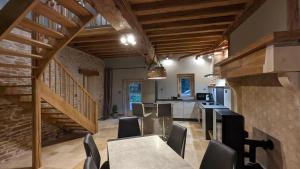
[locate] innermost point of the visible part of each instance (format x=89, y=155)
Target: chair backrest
x=91, y=149
x=164, y=110
x=177, y=139
x=89, y=163
x=138, y=109
x=128, y=127
x=218, y=156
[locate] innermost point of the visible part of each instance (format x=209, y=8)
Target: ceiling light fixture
x=128, y=39
x=157, y=72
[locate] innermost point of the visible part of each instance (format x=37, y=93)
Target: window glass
x=185, y=87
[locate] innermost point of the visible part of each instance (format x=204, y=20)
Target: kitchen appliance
x=204, y=96
x=228, y=128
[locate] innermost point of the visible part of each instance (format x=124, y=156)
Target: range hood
x=272, y=60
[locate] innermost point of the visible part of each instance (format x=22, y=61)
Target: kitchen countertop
x=193, y=100
x=213, y=106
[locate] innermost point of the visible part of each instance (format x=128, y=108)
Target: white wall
x=168, y=87
x=129, y=68
x=270, y=17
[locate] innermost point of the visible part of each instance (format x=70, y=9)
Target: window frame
x=192, y=84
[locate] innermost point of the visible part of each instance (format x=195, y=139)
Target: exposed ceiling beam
x=109, y=10
x=181, y=50
x=180, y=5
x=86, y=44
x=120, y=16
x=190, y=40
x=97, y=31
x=184, y=46
x=190, y=23
x=251, y=7
x=216, y=28
x=189, y=36
x=95, y=38
x=192, y=14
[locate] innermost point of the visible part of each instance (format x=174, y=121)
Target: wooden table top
x=149, y=152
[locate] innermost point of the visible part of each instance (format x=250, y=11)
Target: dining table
x=147, y=152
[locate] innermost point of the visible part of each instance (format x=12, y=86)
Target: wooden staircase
x=49, y=26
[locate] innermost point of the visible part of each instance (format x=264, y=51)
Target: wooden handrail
x=61, y=82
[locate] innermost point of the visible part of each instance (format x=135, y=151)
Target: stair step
x=17, y=66
x=47, y=116
x=55, y=16
x=18, y=53
x=75, y=7
x=18, y=94
x=29, y=25
x=28, y=41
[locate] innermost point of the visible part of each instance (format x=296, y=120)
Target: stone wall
x=272, y=112
x=15, y=121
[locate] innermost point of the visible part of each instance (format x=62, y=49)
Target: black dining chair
x=89, y=163
x=128, y=127
x=92, y=151
x=177, y=139
x=218, y=156
x=163, y=111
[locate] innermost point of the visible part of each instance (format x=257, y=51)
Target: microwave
x=204, y=96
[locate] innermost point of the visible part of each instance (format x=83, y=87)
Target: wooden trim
x=293, y=15
x=192, y=75
x=87, y=72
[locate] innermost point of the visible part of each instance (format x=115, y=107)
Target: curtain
x=107, y=106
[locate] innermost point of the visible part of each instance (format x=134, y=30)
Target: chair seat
x=105, y=165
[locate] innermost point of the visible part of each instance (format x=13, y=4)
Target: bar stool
x=164, y=110
x=138, y=110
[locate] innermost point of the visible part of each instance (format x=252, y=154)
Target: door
x=133, y=94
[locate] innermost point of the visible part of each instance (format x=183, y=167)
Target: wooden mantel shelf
x=277, y=53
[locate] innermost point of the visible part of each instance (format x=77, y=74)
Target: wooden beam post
x=37, y=125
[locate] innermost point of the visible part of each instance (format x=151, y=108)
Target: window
x=185, y=83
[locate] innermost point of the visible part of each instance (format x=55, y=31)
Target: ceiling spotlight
x=128, y=39
x=210, y=57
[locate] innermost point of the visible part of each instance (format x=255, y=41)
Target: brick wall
x=16, y=122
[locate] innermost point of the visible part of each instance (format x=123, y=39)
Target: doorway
x=133, y=94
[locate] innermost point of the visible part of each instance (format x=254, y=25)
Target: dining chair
x=138, y=110
x=218, y=156
x=177, y=139
x=92, y=151
x=89, y=163
x=128, y=127
x=163, y=111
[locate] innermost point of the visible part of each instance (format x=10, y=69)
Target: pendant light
x=158, y=72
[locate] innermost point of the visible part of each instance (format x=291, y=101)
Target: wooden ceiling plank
x=190, y=40
x=183, y=46
x=185, y=37
x=180, y=5
x=97, y=32
x=192, y=14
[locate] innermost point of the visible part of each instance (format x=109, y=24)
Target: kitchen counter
x=212, y=106
x=193, y=100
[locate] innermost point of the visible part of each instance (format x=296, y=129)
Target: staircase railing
x=62, y=83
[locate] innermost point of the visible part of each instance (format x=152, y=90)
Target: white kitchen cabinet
x=188, y=109
x=178, y=110
x=183, y=109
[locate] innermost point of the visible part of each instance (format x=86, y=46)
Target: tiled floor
x=70, y=154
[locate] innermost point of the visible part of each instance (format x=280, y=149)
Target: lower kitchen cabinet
x=183, y=109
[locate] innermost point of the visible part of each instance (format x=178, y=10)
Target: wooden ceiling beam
x=119, y=14
x=215, y=28
x=183, y=46
x=96, y=38
x=93, y=44
x=98, y=31
x=180, y=50
x=180, y=5
x=189, y=40
x=186, y=44
x=190, y=23
x=251, y=7
x=189, y=36
x=192, y=14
